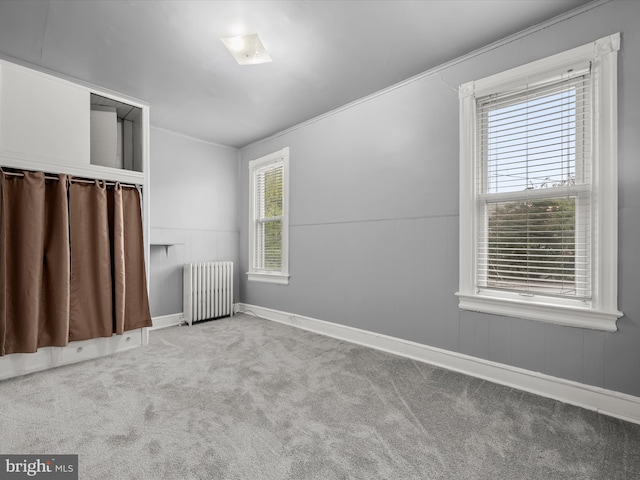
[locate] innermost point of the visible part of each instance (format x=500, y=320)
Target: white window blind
x=269, y=218
x=269, y=195
x=533, y=188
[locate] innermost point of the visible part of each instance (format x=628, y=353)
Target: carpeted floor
x=245, y=398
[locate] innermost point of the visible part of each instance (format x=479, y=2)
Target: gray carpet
x=245, y=398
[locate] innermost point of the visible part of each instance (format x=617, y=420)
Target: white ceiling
x=325, y=53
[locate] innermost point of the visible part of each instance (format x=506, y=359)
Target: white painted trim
x=536, y=309
x=268, y=278
x=47, y=165
x=195, y=139
x=601, y=400
x=270, y=158
x=164, y=321
x=467, y=218
x=254, y=274
x=605, y=166
x=600, y=312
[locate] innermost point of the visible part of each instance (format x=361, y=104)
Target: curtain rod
x=74, y=179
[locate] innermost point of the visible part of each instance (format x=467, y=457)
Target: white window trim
x=601, y=311
x=254, y=274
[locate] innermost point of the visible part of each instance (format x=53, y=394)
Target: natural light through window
x=269, y=195
x=532, y=143
x=538, y=190
x=269, y=225
x=529, y=143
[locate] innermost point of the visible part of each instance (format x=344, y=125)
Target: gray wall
x=194, y=192
x=374, y=217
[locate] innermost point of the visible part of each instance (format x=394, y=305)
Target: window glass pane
x=269, y=199
x=273, y=193
x=269, y=192
x=530, y=143
x=531, y=246
x=269, y=240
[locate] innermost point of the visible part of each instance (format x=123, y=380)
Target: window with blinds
x=269, y=224
x=268, y=208
x=539, y=189
x=534, y=188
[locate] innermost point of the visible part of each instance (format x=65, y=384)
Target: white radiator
x=208, y=291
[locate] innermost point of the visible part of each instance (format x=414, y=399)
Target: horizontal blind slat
x=536, y=139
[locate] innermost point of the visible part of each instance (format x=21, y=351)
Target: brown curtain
x=108, y=279
x=34, y=263
x=116, y=223
x=136, y=301
x=71, y=261
x=91, y=313
x=54, y=311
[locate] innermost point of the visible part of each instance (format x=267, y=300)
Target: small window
x=269, y=218
x=538, y=192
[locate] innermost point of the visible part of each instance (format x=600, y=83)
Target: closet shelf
x=166, y=245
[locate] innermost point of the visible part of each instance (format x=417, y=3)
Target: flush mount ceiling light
x=247, y=49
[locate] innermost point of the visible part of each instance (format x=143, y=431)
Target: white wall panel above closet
x=42, y=118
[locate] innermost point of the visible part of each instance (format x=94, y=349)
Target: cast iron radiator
x=208, y=291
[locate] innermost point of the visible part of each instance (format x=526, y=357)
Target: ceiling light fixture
x=247, y=49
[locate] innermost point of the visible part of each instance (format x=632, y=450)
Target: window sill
x=568, y=315
x=276, y=278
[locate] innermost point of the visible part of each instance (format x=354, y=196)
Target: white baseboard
x=607, y=402
x=165, y=321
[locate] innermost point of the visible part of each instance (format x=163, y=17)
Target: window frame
x=261, y=275
x=600, y=312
